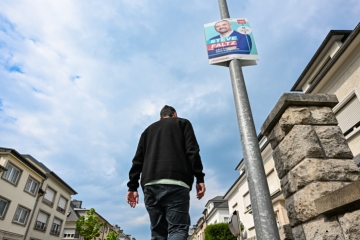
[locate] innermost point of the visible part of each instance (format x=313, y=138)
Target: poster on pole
x=228, y=39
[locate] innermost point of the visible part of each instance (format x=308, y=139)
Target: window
x=21, y=215
x=56, y=227
x=62, y=204
x=234, y=206
x=41, y=221
x=247, y=201
x=49, y=197
x=12, y=174
x=348, y=115
x=273, y=182
x=4, y=205
x=69, y=233
x=31, y=186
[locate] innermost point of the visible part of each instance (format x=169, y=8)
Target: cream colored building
x=33, y=199
x=49, y=216
x=197, y=232
x=238, y=196
x=335, y=69
x=74, y=213
x=19, y=188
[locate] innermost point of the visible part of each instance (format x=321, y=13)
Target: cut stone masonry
x=312, y=160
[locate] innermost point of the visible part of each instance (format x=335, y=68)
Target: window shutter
x=49, y=194
x=42, y=217
x=349, y=115
x=272, y=182
x=247, y=201
x=57, y=221
x=62, y=203
x=69, y=231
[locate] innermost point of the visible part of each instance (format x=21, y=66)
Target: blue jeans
x=168, y=208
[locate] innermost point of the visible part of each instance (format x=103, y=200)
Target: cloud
x=81, y=80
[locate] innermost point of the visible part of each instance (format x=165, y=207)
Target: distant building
x=197, y=232
x=74, y=213
x=216, y=211
x=238, y=196
x=33, y=199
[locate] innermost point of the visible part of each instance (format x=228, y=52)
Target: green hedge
x=218, y=231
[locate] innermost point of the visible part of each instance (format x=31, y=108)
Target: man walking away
x=168, y=159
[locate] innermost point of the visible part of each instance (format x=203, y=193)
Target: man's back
x=167, y=158
x=168, y=150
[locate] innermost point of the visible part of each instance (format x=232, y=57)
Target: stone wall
x=312, y=159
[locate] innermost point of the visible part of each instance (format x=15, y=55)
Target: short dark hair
x=167, y=111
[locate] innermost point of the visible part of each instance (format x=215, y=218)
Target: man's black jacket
x=167, y=150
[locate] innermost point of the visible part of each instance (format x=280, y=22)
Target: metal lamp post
x=263, y=213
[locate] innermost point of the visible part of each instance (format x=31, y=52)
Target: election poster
x=228, y=39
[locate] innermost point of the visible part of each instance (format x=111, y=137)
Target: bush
x=218, y=231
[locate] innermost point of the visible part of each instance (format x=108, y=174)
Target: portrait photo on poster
x=228, y=39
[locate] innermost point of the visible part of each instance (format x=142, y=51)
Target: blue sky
x=81, y=80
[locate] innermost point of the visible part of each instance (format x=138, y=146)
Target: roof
x=215, y=199
x=72, y=215
x=23, y=160
x=348, y=37
x=223, y=205
x=49, y=172
x=84, y=209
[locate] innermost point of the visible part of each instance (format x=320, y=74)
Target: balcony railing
x=40, y=226
x=60, y=209
x=47, y=202
x=55, y=232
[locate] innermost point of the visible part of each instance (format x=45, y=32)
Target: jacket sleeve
x=137, y=164
x=193, y=152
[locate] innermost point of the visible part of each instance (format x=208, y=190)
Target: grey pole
x=263, y=212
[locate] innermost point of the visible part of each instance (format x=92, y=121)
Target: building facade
x=20, y=191
x=49, y=217
x=33, y=199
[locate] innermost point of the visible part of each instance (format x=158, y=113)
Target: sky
x=81, y=80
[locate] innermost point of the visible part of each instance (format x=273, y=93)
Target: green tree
x=112, y=236
x=89, y=226
x=218, y=231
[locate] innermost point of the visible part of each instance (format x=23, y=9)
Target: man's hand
x=200, y=190
x=132, y=198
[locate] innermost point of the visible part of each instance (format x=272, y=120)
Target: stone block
x=350, y=224
x=301, y=142
x=296, y=99
x=322, y=228
x=333, y=142
x=298, y=233
x=314, y=169
x=285, y=232
x=300, y=116
x=276, y=136
x=342, y=200
x=301, y=206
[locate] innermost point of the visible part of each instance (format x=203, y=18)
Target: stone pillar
x=312, y=159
